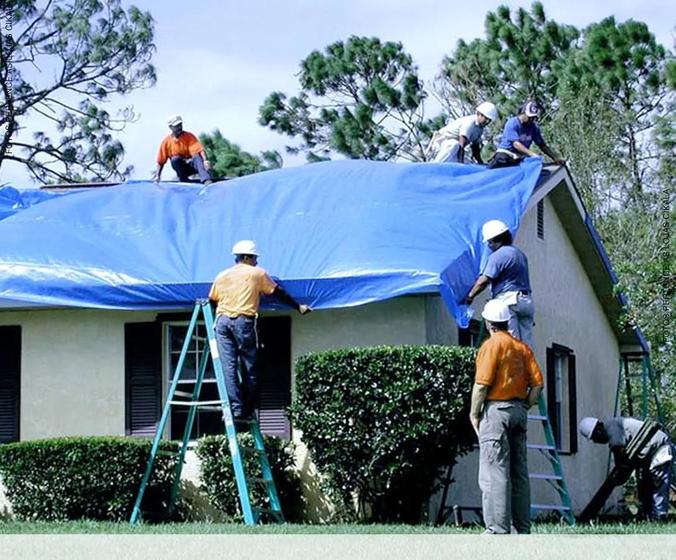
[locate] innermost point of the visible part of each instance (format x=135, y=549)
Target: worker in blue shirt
x=519, y=133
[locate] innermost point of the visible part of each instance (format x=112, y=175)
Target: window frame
x=569, y=418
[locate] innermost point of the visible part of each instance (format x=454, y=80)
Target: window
x=152, y=351
x=207, y=421
x=541, y=219
x=10, y=376
x=561, y=397
x=472, y=335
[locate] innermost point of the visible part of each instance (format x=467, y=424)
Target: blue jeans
x=238, y=345
x=185, y=167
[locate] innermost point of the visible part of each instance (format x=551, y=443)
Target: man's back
x=238, y=289
x=621, y=430
x=507, y=366
x=463, y=126
x=507, y=267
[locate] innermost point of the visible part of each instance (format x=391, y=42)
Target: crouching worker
x=653, y=464
x=448, y=143
x=508, y=382
x=185, y=153
x=518, y=135
x=236, y=293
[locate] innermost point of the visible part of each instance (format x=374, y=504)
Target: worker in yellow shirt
x=236, y=292
x=185, y=152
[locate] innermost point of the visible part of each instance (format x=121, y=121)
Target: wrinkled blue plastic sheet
x=336, y=234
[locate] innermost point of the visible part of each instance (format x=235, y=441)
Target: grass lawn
x=97, y=527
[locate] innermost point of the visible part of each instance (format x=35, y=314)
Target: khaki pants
x=503, y=467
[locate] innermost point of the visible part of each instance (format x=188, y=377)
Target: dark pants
x=500, y=159
x=185, y=167
x=653, y=491
x=238, y=344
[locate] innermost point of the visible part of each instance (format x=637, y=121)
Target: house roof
x=337, y=233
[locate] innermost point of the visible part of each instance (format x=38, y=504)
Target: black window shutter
x=572, y=402
x=10, y=383
x=552, y=410
x=274, y=375
x=143, y=375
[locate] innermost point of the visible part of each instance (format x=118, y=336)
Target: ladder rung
x=251, y=451
x=165, y=453
x=537, y=417
x=540, y=446
x=550, y=507
x=196, y=403
x=544, y=476
x=274, y=512
x=258, y=480
x=183, y=394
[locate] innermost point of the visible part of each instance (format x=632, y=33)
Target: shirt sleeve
x=511, y=133
x=537, y=136
x=266, y=284
x=213, y=293
x=535, y=378
x=493, y=266
x=466, y=129
x=194, y=145
x=162, y=153
x=615, y=431
x=486, y=364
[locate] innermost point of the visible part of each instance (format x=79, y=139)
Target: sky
x=217, y=60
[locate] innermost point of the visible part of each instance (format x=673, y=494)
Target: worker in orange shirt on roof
x=185, y=152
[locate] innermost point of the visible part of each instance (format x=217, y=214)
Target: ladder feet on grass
x=252, y=515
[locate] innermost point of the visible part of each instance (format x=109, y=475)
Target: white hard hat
x=587, y=425
x=488, y=110
x=175, y=120
x=493, y=228
x=244, y=247
x=496, y=311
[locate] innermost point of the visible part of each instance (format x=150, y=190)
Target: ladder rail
x=251, y=514
x=187, y=431
x=230, y=431
x=552, y=453
x=136, y=511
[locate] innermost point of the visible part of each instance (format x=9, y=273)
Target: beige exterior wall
x=397, y=321
x=72, y=378
x=568, y=313
x=72, y=371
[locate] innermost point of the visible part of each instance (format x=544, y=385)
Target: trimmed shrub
x=84, y=477
x=382, y=422
x=218, y=477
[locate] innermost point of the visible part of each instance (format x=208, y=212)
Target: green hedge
x=84, y=477
x=218, y=478
x=381, y=422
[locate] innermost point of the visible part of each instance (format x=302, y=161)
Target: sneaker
x=207, y=182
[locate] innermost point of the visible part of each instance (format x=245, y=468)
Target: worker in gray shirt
x=507, y=273
x=653, y=465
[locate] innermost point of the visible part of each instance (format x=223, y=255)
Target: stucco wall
x=72, y=371
x=567, y=313
x=397, y=321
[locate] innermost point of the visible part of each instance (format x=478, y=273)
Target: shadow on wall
x=318, y=508
x=6, y=513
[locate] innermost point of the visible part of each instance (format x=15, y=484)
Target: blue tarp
x=336, y=234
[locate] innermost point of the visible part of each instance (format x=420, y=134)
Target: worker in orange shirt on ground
x=508, y=382
x=185, y=153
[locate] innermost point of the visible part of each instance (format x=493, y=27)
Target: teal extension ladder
x=252, y=515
